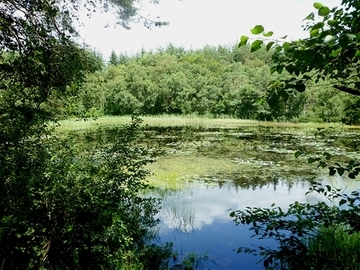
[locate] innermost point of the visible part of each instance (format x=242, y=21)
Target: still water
x=195, y=217
x=197, y=220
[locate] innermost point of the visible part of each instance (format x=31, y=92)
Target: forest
x=218, y=82
x=74, y=203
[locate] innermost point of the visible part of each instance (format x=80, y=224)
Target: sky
x=196, y=23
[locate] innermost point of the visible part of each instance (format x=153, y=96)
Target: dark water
x=196, y=218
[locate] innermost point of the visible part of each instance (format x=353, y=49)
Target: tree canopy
x=314, y=235
x=330, y=52
x=63, y=205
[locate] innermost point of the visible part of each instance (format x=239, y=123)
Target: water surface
x=222, y=169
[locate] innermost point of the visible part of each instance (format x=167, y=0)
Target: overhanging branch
x=348, y=90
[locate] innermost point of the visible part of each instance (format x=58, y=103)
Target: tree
x=314, y=236
x=331, y=52
x=113, y=60
x=63, y=206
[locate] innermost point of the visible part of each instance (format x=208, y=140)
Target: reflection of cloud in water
x=203, y=204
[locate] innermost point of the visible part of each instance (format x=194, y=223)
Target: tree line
x=212, y=81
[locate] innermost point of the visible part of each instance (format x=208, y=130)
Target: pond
x=207, y=171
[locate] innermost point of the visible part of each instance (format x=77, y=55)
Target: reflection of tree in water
x=252, y=180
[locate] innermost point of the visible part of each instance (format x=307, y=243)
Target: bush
x=68, y=206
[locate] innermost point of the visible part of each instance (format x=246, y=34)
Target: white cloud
x=204, y=204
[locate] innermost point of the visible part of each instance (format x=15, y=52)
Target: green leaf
x=291, y=70
x=317, y=5
x=350, y=36
x=273, y=101
x=279, y=68
x=335, y=53
x=309, y=17
x=243, y=41
x=273, y=69
x=258, y=29
x=342, y=201
x=312, y=160
x=317, y=26
x=357, y=54
x=340, y=171
x=256, y=45
x=286, y=45
x=297, y=154
x=324, y=11
x=284, y=95
x=327, y=155
x=269, y=45
x=330, y=40
x=314, y=33
x=332, y=22
x=300, y=87
x=268, y=34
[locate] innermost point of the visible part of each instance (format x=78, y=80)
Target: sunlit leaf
x=324, y=11
x=330, y=40
x=314, y=33
x=317, y=26
x=256, y=45
x=350, y=36
x=243, y=41
x=335, y=53
x=332, y=22
x=317, y=5
x=268, y=34
x=286, y=45
x=258, y=29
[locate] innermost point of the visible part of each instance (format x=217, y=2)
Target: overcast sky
x=196, y=23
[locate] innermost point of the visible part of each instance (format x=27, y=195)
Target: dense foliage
x=213, y=81
x=324, y=235
x=64, y=206
x=330, y=55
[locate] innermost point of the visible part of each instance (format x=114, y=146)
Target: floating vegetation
x=244, y=156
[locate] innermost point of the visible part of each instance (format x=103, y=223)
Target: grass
x=335, y=248
x=175, y=120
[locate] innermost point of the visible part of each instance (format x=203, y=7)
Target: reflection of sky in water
x=197, y=220
x=209, y=203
